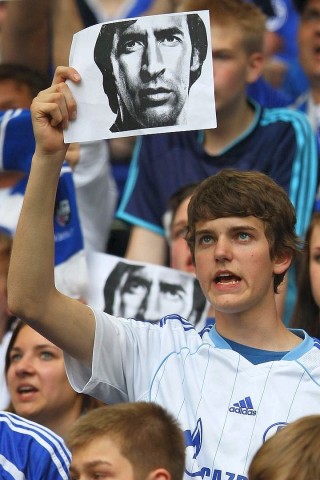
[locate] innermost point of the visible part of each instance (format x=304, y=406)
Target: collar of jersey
x=303, y=347
x=257, y=114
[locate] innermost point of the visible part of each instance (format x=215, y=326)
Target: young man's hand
x=52, y=109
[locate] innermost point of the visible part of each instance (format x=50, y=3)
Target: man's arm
x=146, y=246
x=32, y=295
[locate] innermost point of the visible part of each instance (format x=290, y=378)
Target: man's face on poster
x=151, y=62
x=146, y=295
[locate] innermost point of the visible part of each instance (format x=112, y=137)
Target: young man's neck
x=230, y=125
x=266, y=333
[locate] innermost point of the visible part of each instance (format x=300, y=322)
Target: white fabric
x=96, y=193
x=202, y=386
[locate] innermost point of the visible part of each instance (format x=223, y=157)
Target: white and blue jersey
x=30, y=451
x=17, y=147
x=226, y=405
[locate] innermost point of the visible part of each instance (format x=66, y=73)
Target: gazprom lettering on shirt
x=215, y=474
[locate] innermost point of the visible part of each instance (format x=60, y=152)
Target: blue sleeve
x=298, y=168
x=141, y=202
x=17, y=142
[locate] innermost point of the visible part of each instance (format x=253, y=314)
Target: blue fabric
x=16, y=154
x=31, y=451
x=280, y=143
x=88, y=17
x=262, y=92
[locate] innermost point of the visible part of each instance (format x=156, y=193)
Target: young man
x=228, y=387
x=126, y=442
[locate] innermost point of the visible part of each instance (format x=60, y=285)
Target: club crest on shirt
x=274, y=428
x=63, y=212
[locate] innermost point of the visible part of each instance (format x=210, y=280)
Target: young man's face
x=233, y=264
x=233, y=67
x=309, y=40
x=151, y=62
x=101, y=458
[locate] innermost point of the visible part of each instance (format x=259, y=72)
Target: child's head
x=239, y=14
x=234, y=193
x=292, y=452
x=143, y=434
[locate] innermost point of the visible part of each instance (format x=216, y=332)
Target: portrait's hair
x=88, y=402
x=291, y=453
x=104, y=43
x=23, y=75
x=235, y=193
x=115, y=281
x=146, y=435
x=243, y=15
x=118, y=280
x=306, y=312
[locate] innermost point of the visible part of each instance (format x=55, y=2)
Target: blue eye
x=205, y=239
x=244, y=236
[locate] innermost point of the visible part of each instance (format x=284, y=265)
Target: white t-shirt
x=226, y=405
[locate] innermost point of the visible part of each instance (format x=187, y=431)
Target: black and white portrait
x=147, y=68
x=144, y=291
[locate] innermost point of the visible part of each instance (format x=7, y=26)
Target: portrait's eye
x=130, y=45
x=136, y=287
x=170, y=40
x=172, y=292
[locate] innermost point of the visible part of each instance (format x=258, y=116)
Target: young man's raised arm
x=32, y=295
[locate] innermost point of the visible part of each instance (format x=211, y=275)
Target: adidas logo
x=244, y=407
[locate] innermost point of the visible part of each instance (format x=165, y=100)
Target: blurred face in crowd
x=147, y=294
x=14, y=95
x=315, y=263
x=233, y=66
x=180, y=255
x=309, y=40
x=151, y=61
x=37, y=380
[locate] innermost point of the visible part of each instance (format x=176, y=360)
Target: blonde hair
x=292, y=453
x=145, y=433
x=245, y=16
